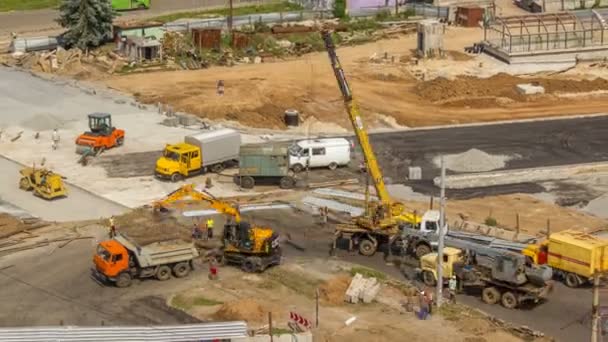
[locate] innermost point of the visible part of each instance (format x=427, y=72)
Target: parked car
x=330, y=152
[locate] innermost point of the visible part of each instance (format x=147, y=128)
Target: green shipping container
x=267, y=163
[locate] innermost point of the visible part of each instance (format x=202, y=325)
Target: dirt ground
x=291, y=287
x=257, y=95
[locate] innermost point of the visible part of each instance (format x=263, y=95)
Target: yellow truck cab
x=428, y=265
x=211, y=150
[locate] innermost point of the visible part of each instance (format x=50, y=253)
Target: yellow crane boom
x=188, y=192
x=387, y=213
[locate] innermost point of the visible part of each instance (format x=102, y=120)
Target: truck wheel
x=422, y=250
x=367, y=247
x=181, y=270
x=123, y=280
x=247, y=182
x=163, y=273
x=297, y=168
x=509, y=300
x=428, y=278
x=572, y=280
x=217, y=168
x=287, y=183
x=176, y=177
x=332, y=166
x=490, y=295
x=24, y=184
x=249, y=265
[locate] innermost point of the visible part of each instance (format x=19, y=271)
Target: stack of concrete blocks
x=364, y=289
x=415, y=173
x=430, y=38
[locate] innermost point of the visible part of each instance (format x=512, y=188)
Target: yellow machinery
x=382, y=218
x=574, y=256
x=253, y=248
x=42, y=182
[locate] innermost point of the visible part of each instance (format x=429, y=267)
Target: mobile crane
x=385, y=218
x=253, y=248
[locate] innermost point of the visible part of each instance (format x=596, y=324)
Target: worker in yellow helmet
x=210, y=228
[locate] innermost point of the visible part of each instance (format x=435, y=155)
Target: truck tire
x=217, y=168
x=509, y=300
x=181, y=269
x=249, y=265
x=123, y=280
x=572, y=280
x=247, y=182
x=287, y=183
x=176, y=177
x=332, y=166
x=367, y=247
x=428, y=278
x=297, y=168
x=163, y=273
x=490, y=295
x=422, y=250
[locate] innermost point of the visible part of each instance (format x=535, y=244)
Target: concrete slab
x=530, y=89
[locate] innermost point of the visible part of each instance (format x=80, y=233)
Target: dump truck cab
x=178, y=161
x=111, y=259
x=428, y=265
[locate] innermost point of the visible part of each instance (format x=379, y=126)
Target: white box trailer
x=216, y=146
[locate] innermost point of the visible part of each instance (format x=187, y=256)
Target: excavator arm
x=188, y=192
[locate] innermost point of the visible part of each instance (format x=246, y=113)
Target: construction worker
x=212, y=269
x=112, y=227
x=197, y=234
x=452, y=286
x=55, y=139
x=210, y=228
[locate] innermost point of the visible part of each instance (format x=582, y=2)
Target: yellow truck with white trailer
x=574, y=256
x=212, y=150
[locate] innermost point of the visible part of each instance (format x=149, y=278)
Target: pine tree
x=88, y=22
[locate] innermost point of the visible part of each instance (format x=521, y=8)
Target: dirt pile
x=473, y=160
x=145, y=226
x=9, y=225
x=242, y=310
x=499, y=85
x=332, y=291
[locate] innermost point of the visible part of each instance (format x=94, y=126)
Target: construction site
x=405, y=172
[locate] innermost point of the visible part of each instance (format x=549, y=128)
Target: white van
x=331, y=152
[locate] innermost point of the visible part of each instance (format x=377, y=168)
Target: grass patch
x=368, y=273
x=281, y=331
x=456, y=312
x=294, y=281
x=185, y=303
x=22, y=5
x=242, y=10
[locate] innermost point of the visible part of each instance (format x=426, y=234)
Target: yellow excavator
x=383, y=218
x=253, y=248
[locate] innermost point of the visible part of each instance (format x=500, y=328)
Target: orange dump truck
x=574, y=256
x=121, y=259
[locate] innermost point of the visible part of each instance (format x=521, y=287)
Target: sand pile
x=145, y=226
x=473, y=160
x=241, y=310
x=43, y=122
x=332, y=291
x=9, y=225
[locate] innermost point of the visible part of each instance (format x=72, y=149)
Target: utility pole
x=230, y=23
x=441, y=232
x=595, y=311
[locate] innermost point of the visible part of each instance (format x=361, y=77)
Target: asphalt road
x=78, y=205
x=25, y=21
x=533, y=143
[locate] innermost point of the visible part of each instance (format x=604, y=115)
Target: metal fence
x=242, y=20
x=428, y=11
x=233, y=331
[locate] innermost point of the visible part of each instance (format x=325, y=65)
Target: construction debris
x=364, y=289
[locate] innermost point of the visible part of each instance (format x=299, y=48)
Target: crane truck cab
x=428, y=265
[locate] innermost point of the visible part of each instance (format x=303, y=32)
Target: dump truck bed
x=160, y=253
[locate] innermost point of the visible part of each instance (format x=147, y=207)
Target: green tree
x=339, y=8
x=88, y=22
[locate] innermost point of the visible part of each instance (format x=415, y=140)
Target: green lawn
x=20, y=5
x=242, y=10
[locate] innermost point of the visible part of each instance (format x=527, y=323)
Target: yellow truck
x=574, y=256
x=212, y=150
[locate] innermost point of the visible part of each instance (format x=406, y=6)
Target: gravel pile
x=473, y=160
